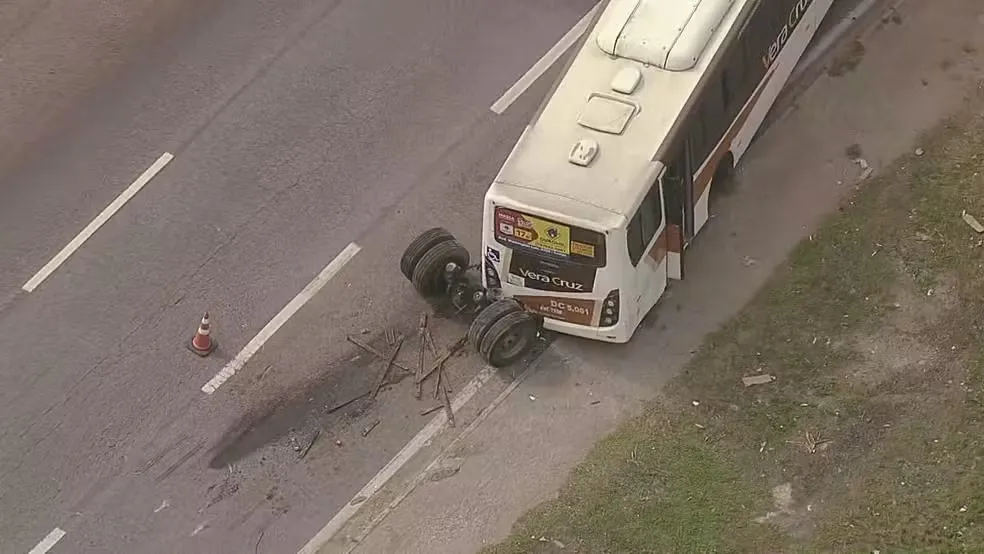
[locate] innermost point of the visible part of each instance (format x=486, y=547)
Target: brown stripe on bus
x=572, y=310
x=658, y=251
x=674, y=238
x=703, y=179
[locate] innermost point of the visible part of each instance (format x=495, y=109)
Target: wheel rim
x=513, y=342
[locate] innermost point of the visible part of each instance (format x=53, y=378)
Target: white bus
x=591, y=213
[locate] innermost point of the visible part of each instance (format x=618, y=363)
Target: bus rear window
x=550, y=238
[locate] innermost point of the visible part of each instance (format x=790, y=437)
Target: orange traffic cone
x=202, y=343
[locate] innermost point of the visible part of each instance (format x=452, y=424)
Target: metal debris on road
x=447, y=407
x=337, y=407
x=444, y=357
x=439, y=385
x=420, y=374
x=256, y=547
x=442, y=380
x=432, y=409
x=376, y=353
x=430, y=343
x=421, y=335
x=386, y=369
x=317, y=433
x=368, y=429
x=752, y=380
x=972, y=222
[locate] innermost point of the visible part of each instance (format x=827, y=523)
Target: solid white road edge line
x=254, y=345
x=96, y=223
x=402, y=457
x=49, y=541
x=419, y=478
x=544, y=63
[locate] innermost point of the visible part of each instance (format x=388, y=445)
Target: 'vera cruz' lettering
x=788, y=26
x=555, y=281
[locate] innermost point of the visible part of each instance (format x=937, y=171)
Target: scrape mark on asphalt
x=187, y=456
x=160, y=455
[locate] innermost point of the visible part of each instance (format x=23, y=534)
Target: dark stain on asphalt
x=297, y=413
x=293, y=418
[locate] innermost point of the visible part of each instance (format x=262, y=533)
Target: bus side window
x=652, y=213
x=644, y=224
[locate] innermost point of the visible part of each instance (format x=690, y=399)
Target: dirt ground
x=840, y=411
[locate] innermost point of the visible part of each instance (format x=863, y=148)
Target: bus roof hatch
x=668, y=34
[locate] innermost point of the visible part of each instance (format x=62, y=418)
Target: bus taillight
x=610, y=309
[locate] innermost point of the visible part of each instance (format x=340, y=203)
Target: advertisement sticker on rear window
x=556, y=239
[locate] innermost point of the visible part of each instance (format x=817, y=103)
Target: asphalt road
x=297, y=128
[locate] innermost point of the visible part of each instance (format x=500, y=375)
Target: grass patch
x=870, y=438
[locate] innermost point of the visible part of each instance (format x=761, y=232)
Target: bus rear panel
x=555, y=269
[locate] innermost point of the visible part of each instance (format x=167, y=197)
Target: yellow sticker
x=549, y=236
x=523, y=234
x=582, y=249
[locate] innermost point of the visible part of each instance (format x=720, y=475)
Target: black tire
x=419, y=246
x=509, y=339
x=428, y=274
x=487, y=317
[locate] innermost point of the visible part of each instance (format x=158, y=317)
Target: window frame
x=645, y=223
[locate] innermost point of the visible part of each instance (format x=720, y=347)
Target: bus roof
x=595, y=139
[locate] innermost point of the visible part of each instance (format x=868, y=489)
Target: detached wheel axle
x=437, y=264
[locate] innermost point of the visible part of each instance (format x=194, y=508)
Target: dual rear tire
x=426, y=258
x=505, y=339
x=503, y=332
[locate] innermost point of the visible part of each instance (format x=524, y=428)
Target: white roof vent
x=626, y=80
x=583, y=153
x=668, y=34
x=607, y=114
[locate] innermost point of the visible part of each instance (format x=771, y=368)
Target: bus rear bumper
x=618, y=334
